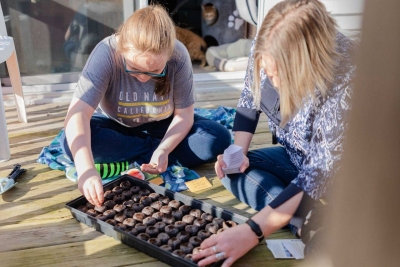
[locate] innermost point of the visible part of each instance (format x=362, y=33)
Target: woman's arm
x=246, y=120
x=237, y=241
x=67, y=33
x=177, y=131
x=270, y=219
x=77, y=130
x=243, y=139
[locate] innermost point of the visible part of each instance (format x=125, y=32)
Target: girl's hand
x=231, y=244
x=90, y=185
x=158, y=162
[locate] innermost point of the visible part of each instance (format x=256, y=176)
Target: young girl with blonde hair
x=134, y=102
x=299, y=74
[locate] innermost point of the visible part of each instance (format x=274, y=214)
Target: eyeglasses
x=151, y=74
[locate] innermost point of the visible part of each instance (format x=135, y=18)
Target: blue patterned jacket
x=314, y=137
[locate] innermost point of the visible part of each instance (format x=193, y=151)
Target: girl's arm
x=177, y=131
x=77, y=130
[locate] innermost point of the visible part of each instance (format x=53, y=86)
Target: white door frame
x=348, y=13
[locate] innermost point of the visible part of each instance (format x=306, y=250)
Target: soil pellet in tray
x=157, y=219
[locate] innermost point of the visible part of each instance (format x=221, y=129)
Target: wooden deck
x=36, y=229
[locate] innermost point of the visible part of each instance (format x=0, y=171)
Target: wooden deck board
x=37, y=230
x=101, y=251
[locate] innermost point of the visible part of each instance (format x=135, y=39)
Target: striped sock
x=107, y=170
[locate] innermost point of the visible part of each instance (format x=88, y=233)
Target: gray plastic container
x=133, y=241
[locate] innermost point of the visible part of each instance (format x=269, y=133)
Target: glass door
x=54, y=38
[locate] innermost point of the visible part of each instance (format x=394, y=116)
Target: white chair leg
x=4, y=142
x=15, y=77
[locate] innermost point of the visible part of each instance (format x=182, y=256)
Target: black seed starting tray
x=130, y=239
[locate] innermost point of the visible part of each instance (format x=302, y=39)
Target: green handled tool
x=10, y=181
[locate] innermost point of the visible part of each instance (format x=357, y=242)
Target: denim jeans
x=113, y=142
x=270, y=171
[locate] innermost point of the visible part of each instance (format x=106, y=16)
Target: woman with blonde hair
x=134, y=102
x=299, y=74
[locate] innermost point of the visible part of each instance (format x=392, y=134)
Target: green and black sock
x=107, y=170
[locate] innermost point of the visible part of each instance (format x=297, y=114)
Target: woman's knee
x=246, y=192
x=255, y=187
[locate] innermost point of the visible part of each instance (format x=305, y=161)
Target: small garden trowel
x=9, y=182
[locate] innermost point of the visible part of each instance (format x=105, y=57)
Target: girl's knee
x=216, y=133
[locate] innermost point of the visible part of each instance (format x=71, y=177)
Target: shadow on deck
x=36, y=229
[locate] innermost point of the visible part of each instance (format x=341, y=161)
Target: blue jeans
x=113, y=142
x=270, y=171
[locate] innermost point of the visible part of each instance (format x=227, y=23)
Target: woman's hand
x=221, y=164
x=158, y=162
x=232, y=243
x=90, y=185
x=245, y=164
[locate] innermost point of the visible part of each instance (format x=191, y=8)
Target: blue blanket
x=174, y=177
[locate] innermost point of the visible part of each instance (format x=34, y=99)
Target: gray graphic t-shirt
x=106, y=87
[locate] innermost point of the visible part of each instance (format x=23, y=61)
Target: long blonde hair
x=148, y=30
x=300, y=36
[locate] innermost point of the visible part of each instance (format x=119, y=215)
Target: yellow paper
x=157, y=181
x=198, y=184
